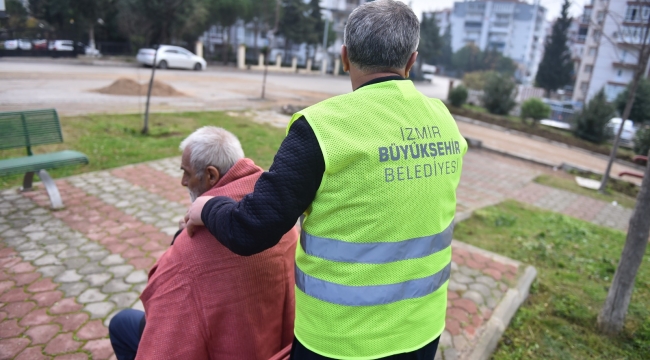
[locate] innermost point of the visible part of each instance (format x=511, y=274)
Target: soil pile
x=126, y=86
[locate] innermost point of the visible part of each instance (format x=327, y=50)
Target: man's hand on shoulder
x=193, y=216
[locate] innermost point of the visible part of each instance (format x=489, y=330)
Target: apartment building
x=514, y=28
x=612, y=33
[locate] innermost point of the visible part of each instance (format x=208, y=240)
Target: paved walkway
x=64, y=274
x=488, y=179
x=539, y=150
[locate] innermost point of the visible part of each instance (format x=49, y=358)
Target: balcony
x=623, y=65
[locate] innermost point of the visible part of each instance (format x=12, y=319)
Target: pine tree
x=295, y=23
x=316, y=23
x=446, y=52
x=556, y=68
x=430, y=40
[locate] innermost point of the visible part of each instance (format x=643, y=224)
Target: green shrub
x=458, y=96
x=476, y=80
x=536, y=109
x=642, y=140
x=591, y=122
x=499, y=93
x=640, y=111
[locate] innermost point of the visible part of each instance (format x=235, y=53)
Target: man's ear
x=345, y=60
x=410, y=63
x=213, y=175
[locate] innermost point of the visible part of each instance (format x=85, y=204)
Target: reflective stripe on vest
x=378, y=252
x=370, y=295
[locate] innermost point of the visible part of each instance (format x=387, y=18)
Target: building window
x=632, y=13
x=584, y=86
x=588, y=69
x=612, y=91
x=596, y=35
x=600, y=16
x=592, y=51
x=619, y=73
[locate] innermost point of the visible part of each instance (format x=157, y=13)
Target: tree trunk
x=225, y=44
x=91, y=36
x=612, y=317
x=256, y=31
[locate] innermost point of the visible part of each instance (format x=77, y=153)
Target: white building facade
x=613, y=33
x=516, y=29
x=252, y=35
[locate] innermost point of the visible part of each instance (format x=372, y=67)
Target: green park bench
x=31, y=128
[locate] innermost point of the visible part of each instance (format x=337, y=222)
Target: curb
x=502, y=315
x=539, y=138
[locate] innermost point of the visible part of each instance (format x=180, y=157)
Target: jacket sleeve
x=281, y=195
x=174, y=328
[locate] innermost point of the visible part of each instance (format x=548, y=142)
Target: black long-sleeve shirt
x=281, y=195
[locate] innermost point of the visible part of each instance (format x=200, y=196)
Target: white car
x=11, y=44
x=21, y=44
x=171, y=57
x=629, y=131
x=61, y=45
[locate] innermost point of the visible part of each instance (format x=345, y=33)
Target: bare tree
x=639, y=70
x=612, y=316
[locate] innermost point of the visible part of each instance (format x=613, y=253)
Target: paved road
x=69, y=88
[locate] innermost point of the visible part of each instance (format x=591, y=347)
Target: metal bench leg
x=27, y=181
x=52, y=190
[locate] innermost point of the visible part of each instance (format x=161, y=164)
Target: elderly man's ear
x=212, y=177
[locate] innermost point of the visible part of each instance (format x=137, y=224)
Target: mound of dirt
x=126, y=86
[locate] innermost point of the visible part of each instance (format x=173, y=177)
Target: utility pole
x=639, y=71
x=145, y=129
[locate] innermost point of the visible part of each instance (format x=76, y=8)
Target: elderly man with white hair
x=201, y=300
x=375, y=173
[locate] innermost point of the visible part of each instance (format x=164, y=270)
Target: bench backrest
x=29, y=128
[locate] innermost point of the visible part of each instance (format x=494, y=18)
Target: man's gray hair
x=382, y=35
x=212, y=146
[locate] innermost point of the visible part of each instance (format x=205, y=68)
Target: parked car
x=171, y=57
x=39, y=44
x=61, y=45
x=11, y=44
x=20, y=44
x=629, y=131
x=24, y=44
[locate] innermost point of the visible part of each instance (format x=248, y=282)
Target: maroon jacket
x=204, y=302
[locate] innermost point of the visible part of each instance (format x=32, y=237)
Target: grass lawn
x=570, y=185
x=114, y=140
x=575, y=261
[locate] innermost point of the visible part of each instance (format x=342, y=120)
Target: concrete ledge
x=503, y=313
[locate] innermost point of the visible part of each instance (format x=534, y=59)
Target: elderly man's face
x=196, y=185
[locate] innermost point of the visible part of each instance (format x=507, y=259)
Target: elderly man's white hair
x=212, y=146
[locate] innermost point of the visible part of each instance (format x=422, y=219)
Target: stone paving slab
x=64, y=274
x=578, y=206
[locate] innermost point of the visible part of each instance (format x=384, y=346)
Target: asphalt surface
x=69, y=87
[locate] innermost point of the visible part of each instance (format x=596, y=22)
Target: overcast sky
x=553, y=6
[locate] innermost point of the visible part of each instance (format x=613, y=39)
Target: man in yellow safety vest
x=375, y=173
